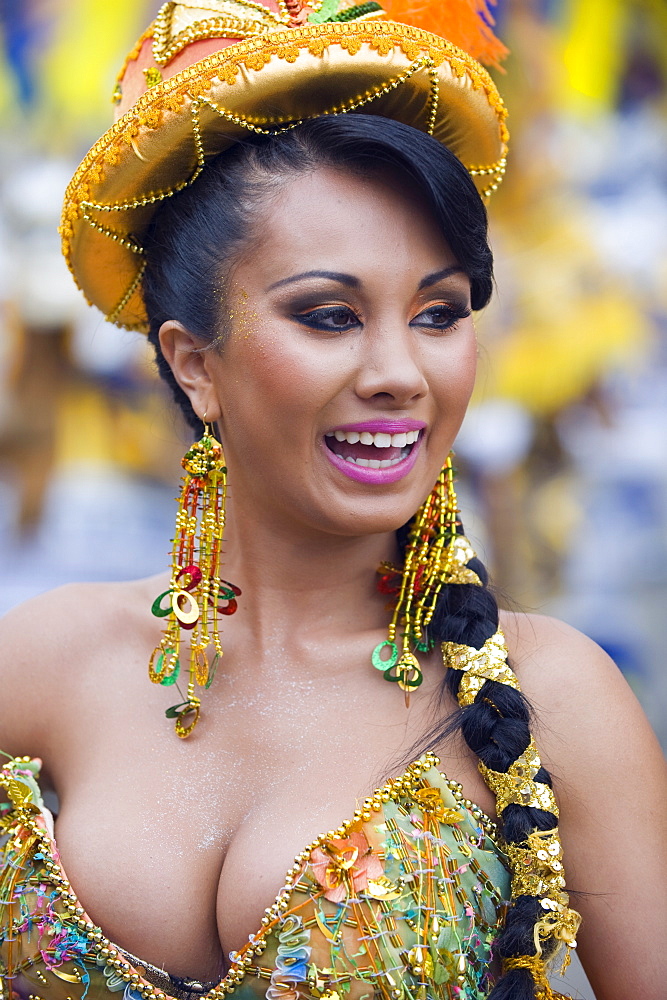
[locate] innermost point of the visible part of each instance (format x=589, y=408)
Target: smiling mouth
x=372, y=451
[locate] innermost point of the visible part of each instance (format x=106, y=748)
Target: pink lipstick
x=375, y=451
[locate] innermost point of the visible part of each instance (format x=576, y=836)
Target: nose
x=391, y=367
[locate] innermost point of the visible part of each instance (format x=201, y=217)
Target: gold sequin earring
x=196, y=595
x=431, y=559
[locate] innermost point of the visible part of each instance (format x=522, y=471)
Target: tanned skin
x=176, y=847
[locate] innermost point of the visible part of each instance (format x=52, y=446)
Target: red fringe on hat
x=466, y=23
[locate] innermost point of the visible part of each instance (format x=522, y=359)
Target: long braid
x=494, y=720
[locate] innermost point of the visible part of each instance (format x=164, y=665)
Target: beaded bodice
x=401, y=901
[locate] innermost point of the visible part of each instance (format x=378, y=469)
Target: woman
x=310, y=291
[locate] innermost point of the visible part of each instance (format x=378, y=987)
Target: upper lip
x=388, y=426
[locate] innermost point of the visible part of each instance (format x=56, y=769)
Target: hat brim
x=263, y=83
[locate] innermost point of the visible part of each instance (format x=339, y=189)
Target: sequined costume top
x=401, y=902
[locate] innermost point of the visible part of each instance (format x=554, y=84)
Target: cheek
x=268, y=379
x=457, y=373
x=469, y=373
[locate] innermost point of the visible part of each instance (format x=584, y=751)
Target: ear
x=189, y=360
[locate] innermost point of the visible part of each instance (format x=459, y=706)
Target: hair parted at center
x=198, y=235
x=194, y=241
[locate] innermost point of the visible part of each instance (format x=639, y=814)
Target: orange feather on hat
x=466, y=23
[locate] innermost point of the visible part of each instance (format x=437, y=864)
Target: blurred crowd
x=563, y=457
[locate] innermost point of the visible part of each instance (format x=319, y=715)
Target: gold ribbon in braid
x=537, y=862
x=535, y=966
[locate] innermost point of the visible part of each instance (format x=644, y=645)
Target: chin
x=373, y=517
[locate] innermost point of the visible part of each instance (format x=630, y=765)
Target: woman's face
x=350, y=358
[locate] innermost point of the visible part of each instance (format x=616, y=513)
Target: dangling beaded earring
x=196, y=594
x=433, y=557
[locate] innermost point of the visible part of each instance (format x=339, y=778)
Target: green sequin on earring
x=388, y=662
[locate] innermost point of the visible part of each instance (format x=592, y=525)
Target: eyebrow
x=351, y=282
x=433, y=279
x=342, y=279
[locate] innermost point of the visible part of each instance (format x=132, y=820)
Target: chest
x=175, y=848
x=411, y=882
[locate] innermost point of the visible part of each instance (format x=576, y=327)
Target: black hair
x=199, y=234
x=194, y=240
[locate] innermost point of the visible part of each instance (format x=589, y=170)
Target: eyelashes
x=439, y=317
x=332, y=319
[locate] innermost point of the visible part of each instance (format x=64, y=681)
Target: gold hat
x=207, y=71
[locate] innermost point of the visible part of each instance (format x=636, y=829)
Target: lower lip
x=377, y=477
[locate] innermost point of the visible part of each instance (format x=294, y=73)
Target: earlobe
x=187, y=358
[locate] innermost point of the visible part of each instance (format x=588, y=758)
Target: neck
x=301, y=583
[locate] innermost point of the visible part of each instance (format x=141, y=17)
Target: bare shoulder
x=542, y=642
x=48, y=641
x=558, y=666
x=64, y=614
x=610, y=780
x=580, y=697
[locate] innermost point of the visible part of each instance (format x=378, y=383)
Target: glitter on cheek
x=243, y=319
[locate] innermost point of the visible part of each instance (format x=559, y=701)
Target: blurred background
x=563, y=458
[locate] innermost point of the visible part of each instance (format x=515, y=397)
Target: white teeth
x=380, y=439
x=372, y=463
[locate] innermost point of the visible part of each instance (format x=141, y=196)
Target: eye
x=336, y=319
x=441, y=316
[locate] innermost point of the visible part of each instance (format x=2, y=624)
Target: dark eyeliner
x=452, y=312
x=316, y=319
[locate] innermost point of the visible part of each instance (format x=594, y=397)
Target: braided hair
x=195, y=239
x=496, y=727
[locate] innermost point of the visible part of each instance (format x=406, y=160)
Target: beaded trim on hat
x=177, y=24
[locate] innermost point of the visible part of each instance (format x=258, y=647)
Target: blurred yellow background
x=563, y=458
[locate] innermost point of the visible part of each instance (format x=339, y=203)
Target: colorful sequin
x=401, y=902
